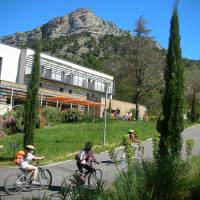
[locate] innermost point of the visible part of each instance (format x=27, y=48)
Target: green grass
x=59, y=142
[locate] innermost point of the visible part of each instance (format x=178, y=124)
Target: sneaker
x=34, y=182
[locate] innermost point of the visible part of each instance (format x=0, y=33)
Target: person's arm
x=91, y=156
x=39, y=158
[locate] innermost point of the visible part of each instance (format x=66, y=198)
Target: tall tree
x=32, y=102
x=146, y=64
x=170, y=125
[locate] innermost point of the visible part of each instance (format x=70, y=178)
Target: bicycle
x=72, y=182
x=121, y=154
x=15, y=183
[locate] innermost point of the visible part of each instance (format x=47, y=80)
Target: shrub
x=153, y=117
x=155, y=142
x=71, y=116
x=9, y=123
x=147, y=180
x=19, y=120
x=51, y=114
x=2, y=131
x=195, y=186
x=189, y=147
x=128, y=149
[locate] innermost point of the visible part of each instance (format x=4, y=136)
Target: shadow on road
x=107, y=162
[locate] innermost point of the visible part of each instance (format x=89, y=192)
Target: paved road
x=66, y=168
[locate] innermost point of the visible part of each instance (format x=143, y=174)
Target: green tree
x=32, y=102
x=170, y=125
x=146, y=73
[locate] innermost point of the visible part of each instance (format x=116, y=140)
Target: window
x=63, y=76
x=1, y=59
x=70, y=91
x=61, y=89
x=42, y=71
x=48, y=73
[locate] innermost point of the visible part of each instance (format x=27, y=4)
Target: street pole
x=41, y=99
x=105, y=115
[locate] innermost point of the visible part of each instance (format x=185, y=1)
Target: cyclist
x=83, y=158
x=28, y=157
x=134, y=142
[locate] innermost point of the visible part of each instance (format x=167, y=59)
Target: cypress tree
x=170, y=125
x=32, y=102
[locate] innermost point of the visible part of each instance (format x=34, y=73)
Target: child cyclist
x=134, y=142
x=28, y=157
x=83, y=158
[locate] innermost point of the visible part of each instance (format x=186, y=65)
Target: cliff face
x=78, y=21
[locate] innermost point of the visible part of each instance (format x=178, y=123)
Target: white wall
x=10, y=62
x=4, y=109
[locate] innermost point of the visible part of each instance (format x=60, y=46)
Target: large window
x=1, y=60
x=48, y=73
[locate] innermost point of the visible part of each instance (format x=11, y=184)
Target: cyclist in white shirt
x=28, y=158
x=83, y=157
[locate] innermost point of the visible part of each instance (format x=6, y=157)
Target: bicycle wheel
x=67, y=186
x=120, y=156
x=95, y=177
x=45, y=178
x=14, y=183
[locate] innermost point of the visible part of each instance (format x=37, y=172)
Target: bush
x=189, y=147
x=155, y=142
x=51, y=114
x=19, y=118
x=148, y=180
x=9, y=123
x=71, y=116
x=2, y=131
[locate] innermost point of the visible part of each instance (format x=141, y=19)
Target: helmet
x=88, y=145
x=30, y=147
x=131, y=131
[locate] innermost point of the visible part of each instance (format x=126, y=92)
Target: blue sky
x=24, y=15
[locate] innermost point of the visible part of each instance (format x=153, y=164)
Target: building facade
x=58, y=77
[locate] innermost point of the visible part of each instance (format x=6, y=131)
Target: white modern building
x=58, y=78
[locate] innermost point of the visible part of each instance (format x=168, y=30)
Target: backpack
x=19, y=157
x=78, y=155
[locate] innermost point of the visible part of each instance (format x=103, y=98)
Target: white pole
x=57, y=104
x=105, y=116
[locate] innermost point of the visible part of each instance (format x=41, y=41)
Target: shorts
x=24, y=165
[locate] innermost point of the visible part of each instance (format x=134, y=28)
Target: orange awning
x=74, y=101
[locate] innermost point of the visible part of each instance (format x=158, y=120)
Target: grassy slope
x=59, y=142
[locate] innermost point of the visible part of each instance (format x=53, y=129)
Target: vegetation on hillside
x=114, y=55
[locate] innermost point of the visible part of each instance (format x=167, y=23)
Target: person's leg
x=35, y=171
x=88, y=168
x=135, y=150
x=79, y=165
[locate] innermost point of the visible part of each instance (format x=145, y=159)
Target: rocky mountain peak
x=78, y=21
